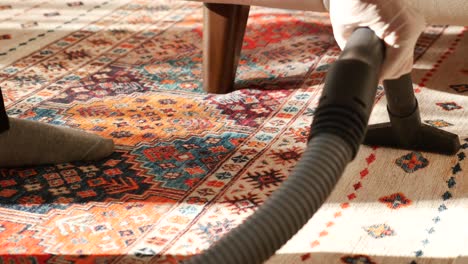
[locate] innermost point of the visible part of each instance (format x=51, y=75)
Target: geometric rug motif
x=190, y=166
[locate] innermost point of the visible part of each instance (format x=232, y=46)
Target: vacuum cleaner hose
x=338, y=129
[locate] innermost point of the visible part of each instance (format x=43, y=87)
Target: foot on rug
x=29, y=143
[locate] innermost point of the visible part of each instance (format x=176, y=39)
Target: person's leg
x=29, y=143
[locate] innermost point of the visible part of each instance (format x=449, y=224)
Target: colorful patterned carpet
x=191, y=166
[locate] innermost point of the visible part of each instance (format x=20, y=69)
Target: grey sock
x=29, y=143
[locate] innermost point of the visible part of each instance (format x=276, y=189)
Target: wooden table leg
x=223, y=33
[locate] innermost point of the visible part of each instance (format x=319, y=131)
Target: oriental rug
x=190, y=166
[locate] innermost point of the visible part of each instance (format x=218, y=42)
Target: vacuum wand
x=350, y=87
x=338, y=129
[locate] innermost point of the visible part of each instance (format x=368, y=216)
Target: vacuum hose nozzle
x=350, y=87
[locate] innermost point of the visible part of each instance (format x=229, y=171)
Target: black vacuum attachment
x=339, y=127
x=4, y=123
x=405, y=130
x=349, y=92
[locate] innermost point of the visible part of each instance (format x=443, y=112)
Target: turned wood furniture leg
x=223, y=33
